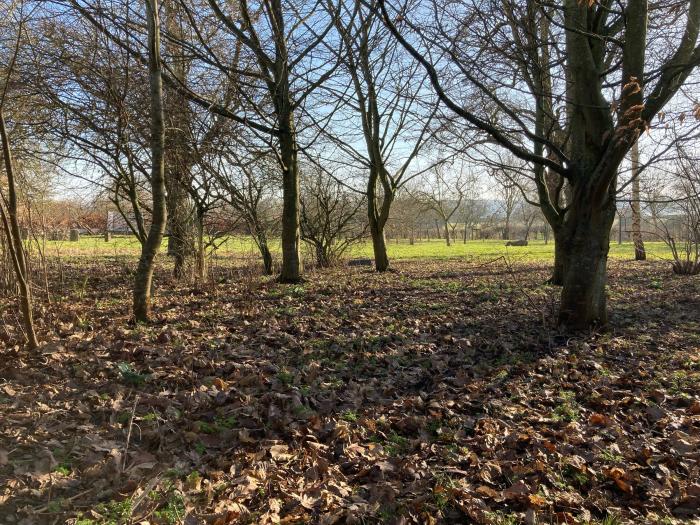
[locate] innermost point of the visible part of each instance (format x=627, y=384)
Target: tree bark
x=265, y=253
x=447, y=233
x=586, y=242
x=201, y=249
x=378, y=216
x=291, y=235
x=180, y=242
x=381, y=259
x=144, y=273
x=178, y=154
x=557, y=278
x=640, y=253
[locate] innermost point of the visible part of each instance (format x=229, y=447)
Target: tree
x=284, y=52
x=680, y=229
x=143, y=278
x=508, y=199
x=329, y=217
x=94, y=91
x=387, y=95
x=285, y=65
x=445, y=194
x=246, y=181
x=612, y=88
x=179, y=157
x=9, y=201
x=639, y=251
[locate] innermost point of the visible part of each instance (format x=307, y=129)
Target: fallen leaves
x=619, y=476
x=599, y=420
x=425, y=396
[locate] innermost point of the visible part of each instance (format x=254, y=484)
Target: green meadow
x=239, y=246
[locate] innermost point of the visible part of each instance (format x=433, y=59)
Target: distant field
x=95, y=246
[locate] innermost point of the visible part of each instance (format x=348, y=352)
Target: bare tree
x=387, y=94
x=96, y=98
x=144, y=273
x=444, y=194
x=528, y=215
x=246, y=182
x=509, y=197
x=612, y=90
x=329, y=217
x=680, y=230
x=9, y=201
x=183, y=212
x=285, y=59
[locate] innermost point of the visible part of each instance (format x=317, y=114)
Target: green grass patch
x=536, y=251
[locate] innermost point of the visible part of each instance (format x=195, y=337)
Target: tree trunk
x=265, y=253
x=180, y=242
x=557, y=278
x=447, y=233
x=377, y=220
x=144, y=272
x=178, y=154
x=586, y=242
x=323, y=260
x=14, y=239
x=381, y=259
x=640, y=253
x=619, y=228
x=291, y=235
x=201, y=249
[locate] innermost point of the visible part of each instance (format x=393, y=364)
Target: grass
x=484, y=250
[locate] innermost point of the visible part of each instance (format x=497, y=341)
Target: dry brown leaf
x=600, y=420
x=536, y=500
x=220, y=384
x=280, y=453
x=487, y=492
x=623, y=486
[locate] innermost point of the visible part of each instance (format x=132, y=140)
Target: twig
x=128, y=434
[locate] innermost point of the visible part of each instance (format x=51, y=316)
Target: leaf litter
x=438, y=393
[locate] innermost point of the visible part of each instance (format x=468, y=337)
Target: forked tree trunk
x=586, y=240
x=291, y=235
x=144, y=273
x=14, y=238
x=640, y=253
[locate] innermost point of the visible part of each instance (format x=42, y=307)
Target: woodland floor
x=439, y=393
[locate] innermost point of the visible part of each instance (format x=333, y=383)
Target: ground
x=438, y=393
